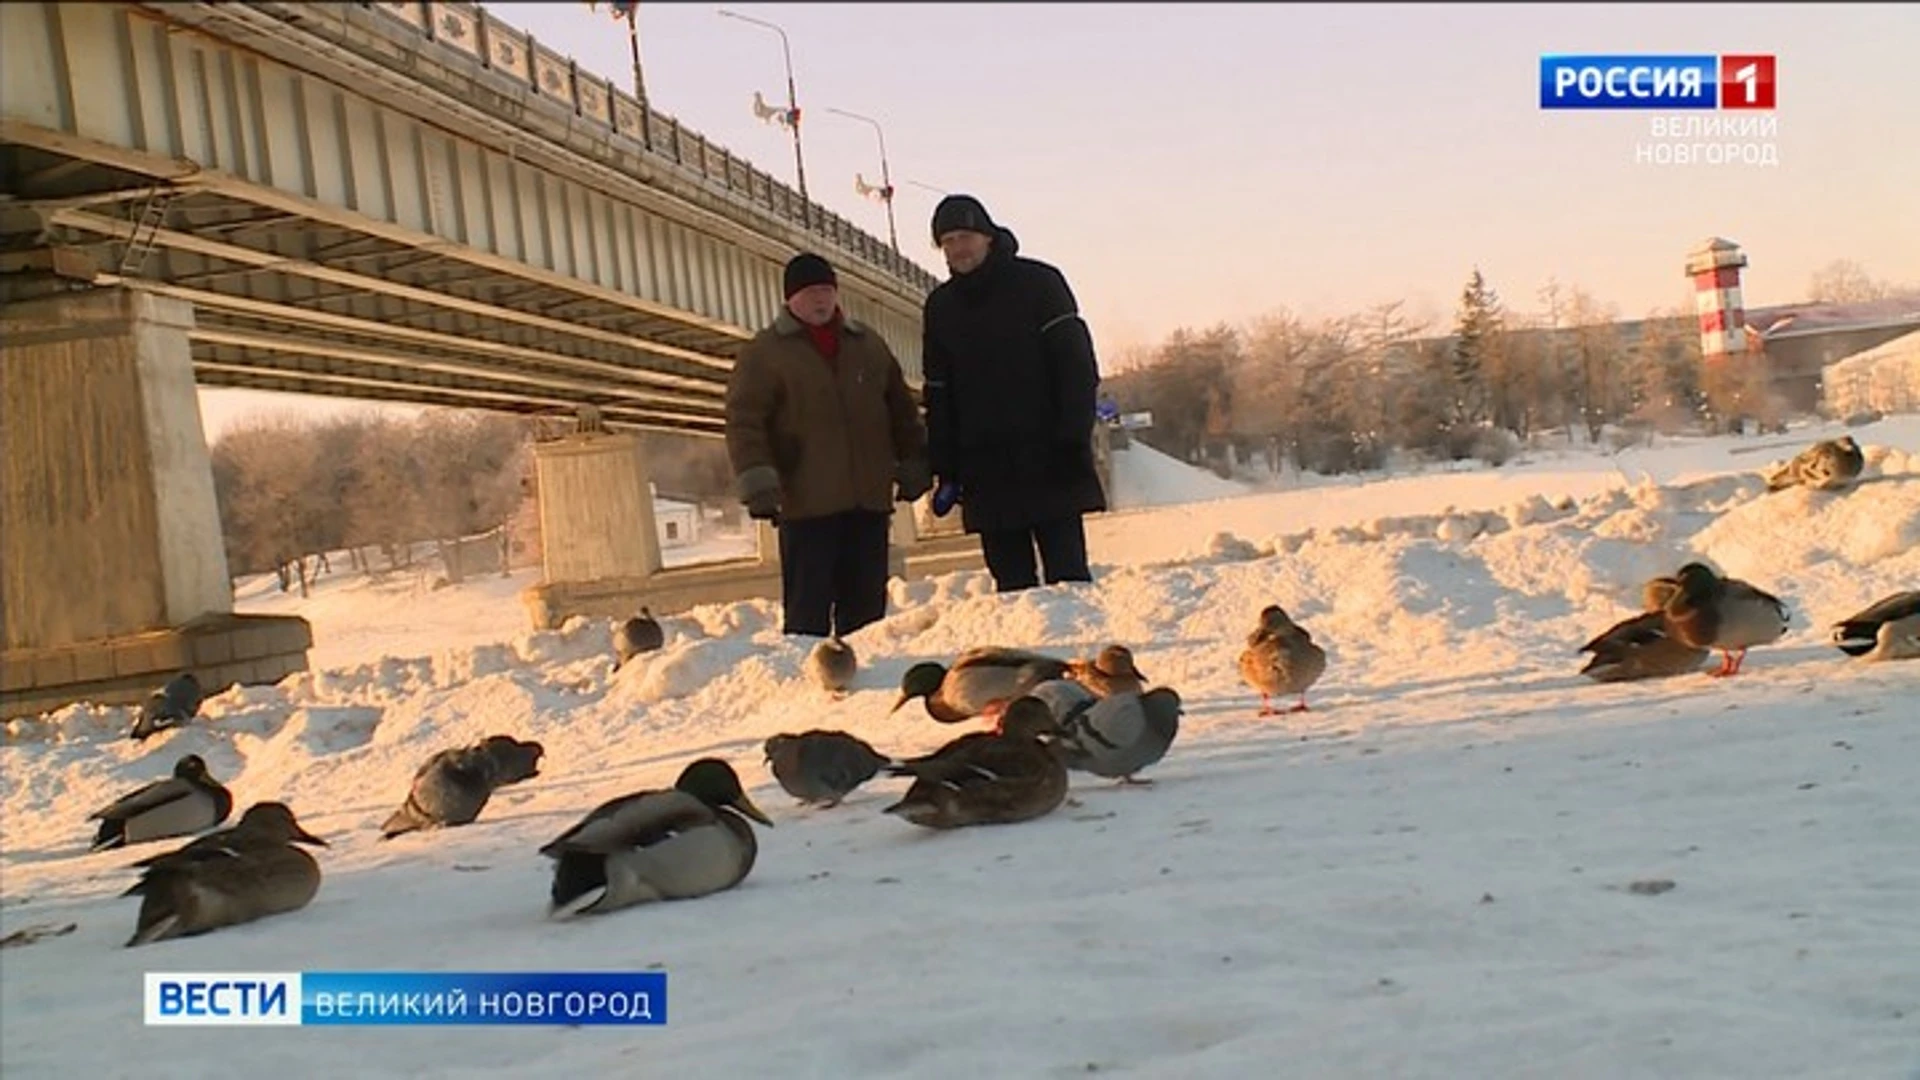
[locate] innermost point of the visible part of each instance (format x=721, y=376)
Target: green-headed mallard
x=1887, y=630
x=234, y=876
x=822, y=766
x=1111, y=672
x=189, y=801
x=1281, y=659
x=831, y=666
x=980, y=683
x=686, y=841
x=987, y=778
x=1713, y=612
x=1824, y=466
x=1120, y=734
x=454, y=785
x=1642, y=647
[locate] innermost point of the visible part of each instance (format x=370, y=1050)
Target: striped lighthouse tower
x=1714, y=267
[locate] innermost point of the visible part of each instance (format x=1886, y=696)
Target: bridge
x=403, y=201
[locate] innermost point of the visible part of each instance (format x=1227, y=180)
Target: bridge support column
x=115, y=573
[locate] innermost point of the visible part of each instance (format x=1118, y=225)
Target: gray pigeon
x=453, y=786
x=188, y=802
x=822, y=766
x=175, y=704
x=1120, y=735
x=640, y=634
x=234, y=876
x=832, y=665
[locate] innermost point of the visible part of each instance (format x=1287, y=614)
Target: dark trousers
x=833, y=572
x=1063, y=554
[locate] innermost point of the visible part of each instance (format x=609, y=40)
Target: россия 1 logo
x=1744, y=81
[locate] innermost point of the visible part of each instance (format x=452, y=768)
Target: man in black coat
x=1010, y=385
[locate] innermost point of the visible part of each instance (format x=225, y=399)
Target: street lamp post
x=886, y=175
x=793, y=112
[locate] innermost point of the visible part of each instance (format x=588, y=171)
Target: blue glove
x=945, y=497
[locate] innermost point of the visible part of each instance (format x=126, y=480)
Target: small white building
x=676, y=520
x=1885, y=378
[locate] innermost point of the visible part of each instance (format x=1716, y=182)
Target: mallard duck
x=1120, y=734
x=640, y=634
x=188, y=802
x=453, y=786
x=686, y=841
x=1111, y=672
x=1887, y=630
x=987, y=778
x=263, y=823
x=1824, y=466
x=1642, y=647
x=1656, y=592
x=980, y=682
x=175, y=704
x=822, y=766
x=1714, y=612
x=831, y=665
x=1280, y=659
x=234, y=876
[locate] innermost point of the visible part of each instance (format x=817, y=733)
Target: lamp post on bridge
x=791, y=117
x=885, y=189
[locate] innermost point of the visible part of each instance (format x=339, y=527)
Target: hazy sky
x=1192, y=164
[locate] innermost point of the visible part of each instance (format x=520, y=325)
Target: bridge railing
x=558, y=80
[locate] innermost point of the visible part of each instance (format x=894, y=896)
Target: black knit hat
x=958, y=212
x=807, y=269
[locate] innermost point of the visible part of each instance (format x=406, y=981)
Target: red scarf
x=826, y=338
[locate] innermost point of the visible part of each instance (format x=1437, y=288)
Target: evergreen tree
x=1475, y=335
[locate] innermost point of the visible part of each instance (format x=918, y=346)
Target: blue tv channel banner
x=1648, y=81
x=390, y=998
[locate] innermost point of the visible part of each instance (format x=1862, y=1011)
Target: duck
x=1641, y=647
x=235, y=876
x=640, y=634
x=1120, y=734
x=980, y=683
x=176, y=703
x=1281, y=658
x=1888, y=629
x=453, y=786
x=1824, y=466
x=189, y=801
x=1111, y=672
x=987, y=778
x=831, y=666
x=822, y=767
x=1713, y=612
x=263, y=823
x=687, y=841
x=1657, y=591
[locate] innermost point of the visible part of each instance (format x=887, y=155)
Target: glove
x=945, y=498
x=760, y=491
x=913, y=478
x=764, y=506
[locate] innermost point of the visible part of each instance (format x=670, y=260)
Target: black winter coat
x=1010, y=382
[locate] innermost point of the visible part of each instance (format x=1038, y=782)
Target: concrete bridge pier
x=113, y=572
x=602, y=554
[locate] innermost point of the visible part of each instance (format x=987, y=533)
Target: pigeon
x=822, y=766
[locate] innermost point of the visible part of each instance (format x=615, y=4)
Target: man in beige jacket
x=823, y=436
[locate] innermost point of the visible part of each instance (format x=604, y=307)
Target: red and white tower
x=1715, y=267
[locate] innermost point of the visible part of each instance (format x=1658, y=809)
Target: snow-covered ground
x=1432, y=874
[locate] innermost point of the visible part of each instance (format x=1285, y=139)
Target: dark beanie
x=806, y=269
x=957, y=212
